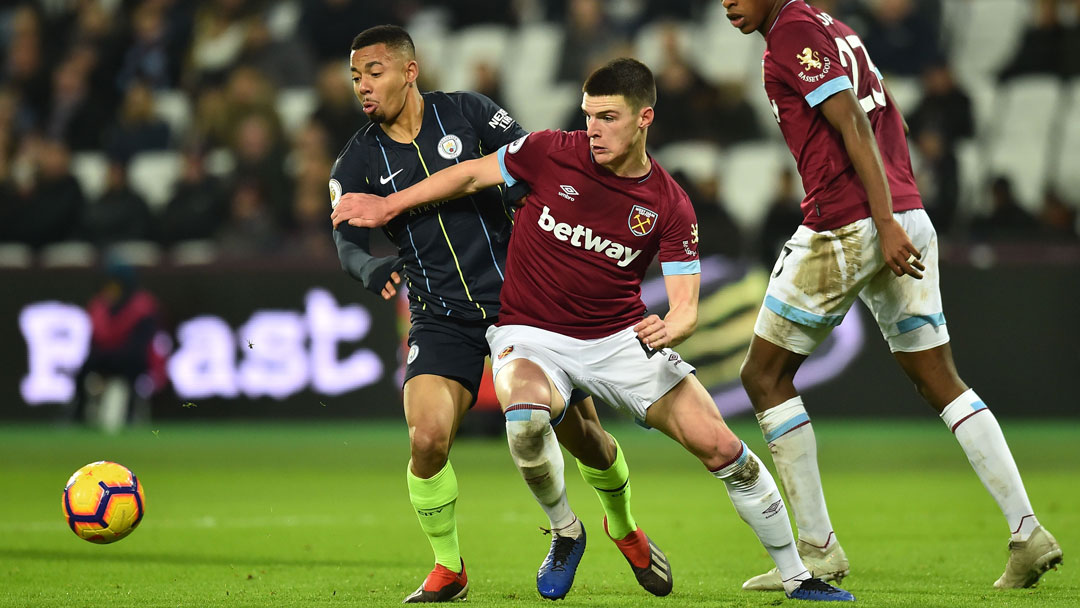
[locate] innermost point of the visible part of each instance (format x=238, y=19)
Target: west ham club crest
x=641, y=220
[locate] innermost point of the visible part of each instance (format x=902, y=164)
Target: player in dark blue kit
x=452, y=257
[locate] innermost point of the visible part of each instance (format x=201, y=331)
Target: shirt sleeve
x=809, y=61
x=520, y=159
x=352, y=242
x=679, y=239
x=494, y=125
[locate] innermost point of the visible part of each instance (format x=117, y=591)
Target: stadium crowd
x=206, y=130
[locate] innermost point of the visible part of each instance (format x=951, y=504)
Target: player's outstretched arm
x=845, y=115
x=680, y=321
x=370, y=211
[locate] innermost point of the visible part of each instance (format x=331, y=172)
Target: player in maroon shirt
x=866, y=235
x=599, y=210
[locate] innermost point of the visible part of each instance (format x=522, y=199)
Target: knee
x=722, y=451
x=754, y=378
x=523, y=381
x=429, y=443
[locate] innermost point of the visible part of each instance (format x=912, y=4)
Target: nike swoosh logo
x=386, y=180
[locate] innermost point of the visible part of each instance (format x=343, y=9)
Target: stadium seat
x=983, y=94
x=971, y=164
x=748, y=180
x=649, y=43
x=907, y=92
x=540, y=44
x=220, y=162
x=135, y=253
x=295, y=106
x=723, y=53
x=469, y=47
x=174, y=107
x=1020, y=139
x=986, y=34
x=193, y=253
x=90, y=170
x=699, y=160
x=71, y=254
x=1067, y=160
x=15, y=255
x=428, y=28
x=153, y=176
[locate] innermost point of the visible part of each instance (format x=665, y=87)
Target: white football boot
x=1029, y=559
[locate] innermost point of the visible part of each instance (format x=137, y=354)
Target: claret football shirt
x=809, y=57
x=585, y=237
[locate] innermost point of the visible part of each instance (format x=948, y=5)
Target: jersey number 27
x=846, y=47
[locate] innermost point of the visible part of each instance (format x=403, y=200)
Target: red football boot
x=650, y=565
x=442, y=585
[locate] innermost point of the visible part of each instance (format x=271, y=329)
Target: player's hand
x=901, y=256
x=364, y=210
x=390, y=290
x=652, y=332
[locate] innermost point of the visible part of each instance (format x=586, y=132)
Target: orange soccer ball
x=103, y=502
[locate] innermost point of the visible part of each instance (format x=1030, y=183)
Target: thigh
x=814, y=282
x=625, y=373
x=548, y=351
x=436, y=404
x=448, y=349
x=688, y=415
x=908, y=311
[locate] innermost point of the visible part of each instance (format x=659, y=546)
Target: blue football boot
x=556, y=574
x=816, y=590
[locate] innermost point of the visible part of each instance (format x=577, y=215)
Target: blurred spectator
x=590, y=40
x=73, y=116
x=938, y=178
x=286, y=62
x=217, y=40
x=784, y=216
x=1048, y=46
x=150, y=58
x=43, y=203
x=124, y=320
x=25, y=69
x=136, y=129
x=308, y=237
x=902, y=35
x=338, y=112
x=120, y=214
x=250, y=229
x=1007, y=219
x=487, y=82
x=1057, y=217
x=197, y=209
x=249, y=93
x=260, y=158
x=944, y=108
x=329, y=26
x=717, y=232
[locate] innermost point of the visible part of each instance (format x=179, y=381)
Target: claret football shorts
x=819, y=274
x=618, y=368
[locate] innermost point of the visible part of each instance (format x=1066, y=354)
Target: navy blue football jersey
x=454, y=252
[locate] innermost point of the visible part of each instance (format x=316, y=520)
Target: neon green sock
x=434, y=501
x=613, y=488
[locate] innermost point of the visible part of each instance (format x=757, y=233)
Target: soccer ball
x=103, y=502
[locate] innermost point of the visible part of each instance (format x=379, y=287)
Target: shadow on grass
x=174, y=559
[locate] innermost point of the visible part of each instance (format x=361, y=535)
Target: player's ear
x=645, y=117
x=412, y=71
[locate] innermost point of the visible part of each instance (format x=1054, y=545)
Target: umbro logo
x=386, y=180
x=568, y=192
x=773, y=509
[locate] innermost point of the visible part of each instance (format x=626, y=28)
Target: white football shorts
x=618, y=368
x=819, y=274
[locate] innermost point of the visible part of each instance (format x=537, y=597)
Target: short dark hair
x=393, y=36
x=623, y=76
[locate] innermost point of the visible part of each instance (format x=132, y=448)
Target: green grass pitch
x=318, y=515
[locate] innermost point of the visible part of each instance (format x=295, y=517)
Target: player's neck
x=406, y=126
x=778, y=6
x=636, y=163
